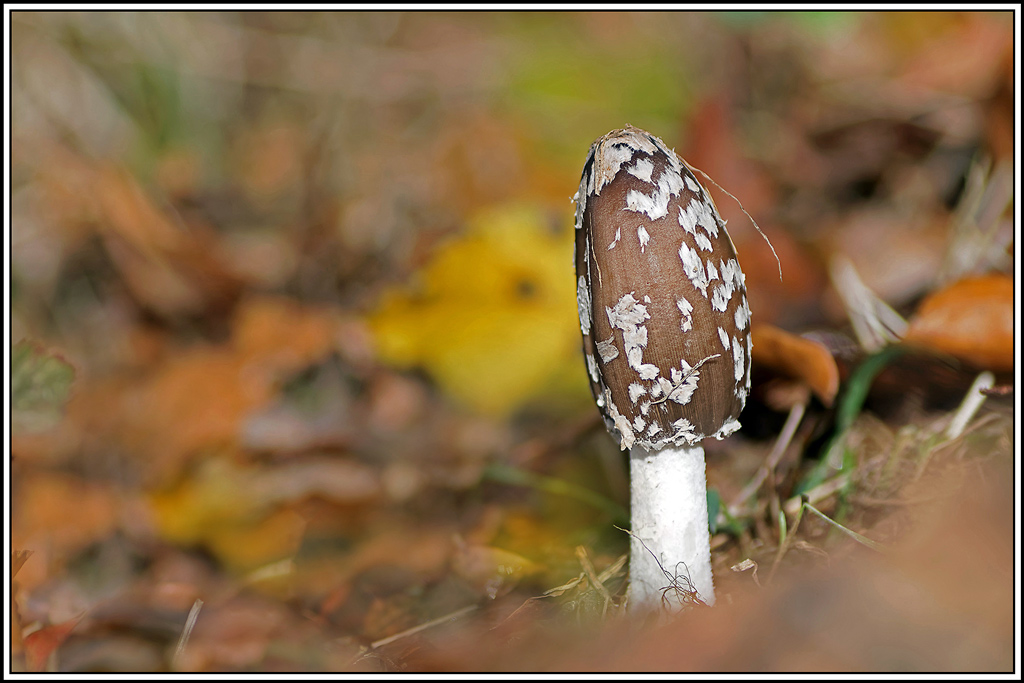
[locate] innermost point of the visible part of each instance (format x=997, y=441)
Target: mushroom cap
x=662, y=301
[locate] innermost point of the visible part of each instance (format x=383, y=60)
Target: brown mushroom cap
x=662, y=301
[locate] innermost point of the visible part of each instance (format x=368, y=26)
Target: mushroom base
x=670, y=553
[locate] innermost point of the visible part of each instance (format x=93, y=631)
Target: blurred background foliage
x=301, y=338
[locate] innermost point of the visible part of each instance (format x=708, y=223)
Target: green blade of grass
x=849, y=532
x=850, y=406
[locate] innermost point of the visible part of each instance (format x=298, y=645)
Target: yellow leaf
x=248, y=546
x=493, y=316
x=243, y=514
x=217, y=495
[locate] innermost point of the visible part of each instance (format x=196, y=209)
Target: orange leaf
x=971, y=319
x=39, y=645
x=797, y=358
x=62, y=512
x=168, y=421
x=281, y=333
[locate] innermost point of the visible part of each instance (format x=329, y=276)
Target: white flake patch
x=636, y=390
x=620, y=422
x=682, y=391
x=592, y=368
x=750, y=359
x=691, y=183
x=644, y=407
x=693, y=267
x=688, y=217
x=607, y=161
x=653, y=429
x=742, y=315
x=723, y=336
x=635, y=350
x=720, y=298
x=703, y=242
x=656, y=388
x=648, y=371
x=642, y=169
x=706, y=218
x=656, y=205
x=619, y=235
x=638, y=423
x=612, y=152
x=686, y=308
x=685, y=430
x=731, y=272
x=730, y=426
x=583, y=303
x=628, y=316
x=606, y=349
x=643, y=236
x=628, y=312
x=712, y=271
x=737, y=357
x=580, y=198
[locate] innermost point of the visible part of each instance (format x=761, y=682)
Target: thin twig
x=588, y=568
x=684, y=594
x=864, y=540
x=422, y=627
x=744, y=566
x=874, y=322
x=817, y=494
x=796, y=414
x=186, y=632
x=740, y=204
x=687, y=376
x=969, y=406
x=613, y=569
x=868, y=501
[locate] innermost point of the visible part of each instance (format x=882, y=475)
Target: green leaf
x=40, y=386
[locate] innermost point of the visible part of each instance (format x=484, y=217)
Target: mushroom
x=666, y=335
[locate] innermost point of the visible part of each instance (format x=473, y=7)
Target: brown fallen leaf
x=971, y=319
x=168, y=268
x=796, y=358
x=199, y=398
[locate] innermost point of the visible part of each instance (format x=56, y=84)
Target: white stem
x=669, y=509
